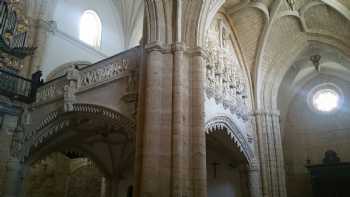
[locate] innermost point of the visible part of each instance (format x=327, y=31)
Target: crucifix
x=215, y=164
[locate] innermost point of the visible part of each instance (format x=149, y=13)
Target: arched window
x=90, y=28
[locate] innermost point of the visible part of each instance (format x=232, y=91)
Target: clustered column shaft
x=271, y=154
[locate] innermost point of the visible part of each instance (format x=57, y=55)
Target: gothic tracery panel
x=226, y=81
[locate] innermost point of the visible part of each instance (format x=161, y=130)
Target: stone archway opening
x=227, y=166
x=88, y=133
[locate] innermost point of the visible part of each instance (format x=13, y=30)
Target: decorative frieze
x=51, y=91
x=100, y=73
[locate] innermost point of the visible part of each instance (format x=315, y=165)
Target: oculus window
x=325, y=100
x=90, y=28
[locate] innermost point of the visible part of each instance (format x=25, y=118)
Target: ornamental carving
x=291, y=4
x=75, y=80
x=102, y=73
x=226, y=124
x=52, y=90
x=226, y=81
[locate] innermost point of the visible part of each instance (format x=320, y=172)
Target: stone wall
x=225, y=180
x=59, y=176
x=5, y=141
x=226, y=169
x=85, y=181
x=7, y=125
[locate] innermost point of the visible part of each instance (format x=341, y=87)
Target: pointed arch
x=224, y=123
x=55, y=122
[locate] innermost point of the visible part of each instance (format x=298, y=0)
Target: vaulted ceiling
x=131, y=14
x=272, y=35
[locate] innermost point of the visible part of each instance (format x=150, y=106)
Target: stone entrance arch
x=228, y=137
x=223, y=123
x=103, y=135
x=56, y=122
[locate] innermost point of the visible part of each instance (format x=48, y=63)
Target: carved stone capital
x=156, y=46
x=178, y=47
x=198, y=51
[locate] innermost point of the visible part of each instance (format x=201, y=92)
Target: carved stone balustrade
x=124, y=65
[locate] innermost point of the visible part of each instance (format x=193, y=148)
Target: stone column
x=254, y=181
x=180, y=123
x=153, y=152
x=14, y=178
x=171, y=153
x=271, y=154
x=199, y=168
x=280, y=155
x=103, y=187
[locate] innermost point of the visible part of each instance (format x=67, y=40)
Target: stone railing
x=103, y=72
x=52, y=90
x=116, y=67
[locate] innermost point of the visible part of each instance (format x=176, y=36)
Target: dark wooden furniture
x=331, y=178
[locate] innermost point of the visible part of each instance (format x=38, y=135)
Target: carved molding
x=93, y=76
x=225, y=123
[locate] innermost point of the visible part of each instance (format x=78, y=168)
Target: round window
x=325, y=100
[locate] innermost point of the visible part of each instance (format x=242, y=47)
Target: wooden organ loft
x=13, y=49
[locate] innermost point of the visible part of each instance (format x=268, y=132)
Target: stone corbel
x=71, y=88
